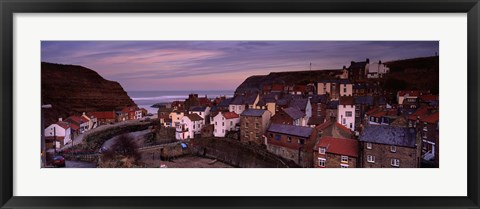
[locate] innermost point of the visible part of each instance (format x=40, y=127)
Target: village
x=343, y=121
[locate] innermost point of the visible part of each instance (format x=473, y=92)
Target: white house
x=60, y=132
x=407, y=95
x=241, y=102
x=346, y=112
x=224, y=122
x=377, y=70
x=190, y=125
x=92, y=121
x=200, y=110
x=346, y=88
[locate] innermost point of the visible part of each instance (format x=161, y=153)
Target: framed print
x=262, y=104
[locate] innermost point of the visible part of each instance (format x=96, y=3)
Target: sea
x=145, y=99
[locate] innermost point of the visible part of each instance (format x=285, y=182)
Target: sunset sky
x=218, y=65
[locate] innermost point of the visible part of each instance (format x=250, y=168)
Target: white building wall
x=342, y=118
x=346, y=89
x=236, y=108
x=223, y=125
x=56, y=130
x=324, y=88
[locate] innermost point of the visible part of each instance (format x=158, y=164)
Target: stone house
x=388, y=147
x=292, y=142
x=332, y=152
x=253, y=124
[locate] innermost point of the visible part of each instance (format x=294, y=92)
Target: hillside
x=417, y=73
x=72, y=89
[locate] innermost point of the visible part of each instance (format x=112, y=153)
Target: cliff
x=72, y=89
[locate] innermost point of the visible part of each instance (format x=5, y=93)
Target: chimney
x=379, y=61
x=352, y=62
x=344, y=67
x=60, y=119
x=368, y=60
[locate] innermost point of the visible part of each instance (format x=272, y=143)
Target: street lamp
x=44, y=159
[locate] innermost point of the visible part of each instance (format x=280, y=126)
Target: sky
x=218, y=65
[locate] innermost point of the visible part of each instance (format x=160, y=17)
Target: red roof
x=230, y=115
x=301, y=88
x=379, y=114
x=370, y=112
x=77, y=119
x=419, y=112
x=74, y=126
x=432, y=118
x=410, y=93
x=266, y=87
x=429, y=97
x=104, y=115
x=324, y=125
x=343, y=127
x=277, y=87
x=348, y=147
x=63, y=124
x=347, y=100
x=129, y=109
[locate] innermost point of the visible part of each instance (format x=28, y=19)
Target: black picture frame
x=10, y=7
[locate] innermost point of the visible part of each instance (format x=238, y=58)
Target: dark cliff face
x=72, y=89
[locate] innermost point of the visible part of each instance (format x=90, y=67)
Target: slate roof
x=319, y=98
x=300, y=131
x=194, y=117
x=294, y=113
x=316, y=120
x=253, y=112
x=332, y=104
x=365, y=100
x=198, y=108
x=301, y=104
x=389, y=135
x=225, y=102
x=432, y=118
x=339, y=146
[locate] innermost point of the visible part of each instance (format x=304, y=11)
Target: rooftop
x=300, y=131
x=253, y=112
x=390, y=135
x=294, y=113
x=339, y=146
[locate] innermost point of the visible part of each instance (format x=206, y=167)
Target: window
x=289, y=139
x=343, y=166
x=246, y=124
x=395, y=162
x=351, y=126
x=223, y=130
x=393, y=149
x=344, y=159
x=321, y=162
x=277, y=137
x=345, y=90
x=257, y=125
x=344, y=121
x=301, y=141
x=231, y=123
x=223, y=123
x=215, y=131
x=348, y=114
x=223, y=118
x=322, y=150
x=215, y=122
x=370, y=158
x=233, y=107
x=369, y=145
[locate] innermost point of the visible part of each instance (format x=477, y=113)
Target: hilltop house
x=253, y=124
x=224, y=122
x=292, y=142
x=329, y=87
x=346, y=88
x=346, y=112
x=388, y=147
x=358, y=70
x=189, y=125
x=377, y=70
x=332, y=152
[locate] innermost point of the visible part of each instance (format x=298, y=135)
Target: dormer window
x=322, y=150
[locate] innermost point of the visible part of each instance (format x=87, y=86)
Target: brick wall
x=333, y=160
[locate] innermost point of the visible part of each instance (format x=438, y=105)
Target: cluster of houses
x=344, y=121
x=62, y=132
